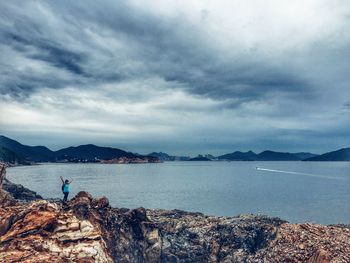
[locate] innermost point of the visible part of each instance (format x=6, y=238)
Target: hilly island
x=13, y=152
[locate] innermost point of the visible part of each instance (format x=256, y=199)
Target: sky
x=182, y=77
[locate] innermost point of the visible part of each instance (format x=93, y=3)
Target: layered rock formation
x=42, y=232
x=90, y=230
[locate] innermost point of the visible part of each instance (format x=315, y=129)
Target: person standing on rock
x=65, y=188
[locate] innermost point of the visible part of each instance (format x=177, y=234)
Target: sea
x=298, y=192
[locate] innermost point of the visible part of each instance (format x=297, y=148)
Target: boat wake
x=305, y=174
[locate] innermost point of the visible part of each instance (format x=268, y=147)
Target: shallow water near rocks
x=296, y=191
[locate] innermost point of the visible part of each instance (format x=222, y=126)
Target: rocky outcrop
x=20, y=192
x=2, y=173
x=42, y=232
x=5, y=198
x=90, y=230
x=15, y=191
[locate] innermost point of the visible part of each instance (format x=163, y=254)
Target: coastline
x=88, y=229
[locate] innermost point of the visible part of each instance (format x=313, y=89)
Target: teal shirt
x=66, y=188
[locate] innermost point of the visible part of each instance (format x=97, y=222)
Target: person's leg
x=65, y=197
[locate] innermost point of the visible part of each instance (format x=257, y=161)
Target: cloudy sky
x=184, y=77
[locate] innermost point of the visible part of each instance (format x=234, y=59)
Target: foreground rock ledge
x=90, y=230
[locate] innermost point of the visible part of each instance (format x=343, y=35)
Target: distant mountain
x=339, y=155
x=9, y=156
x=23, y=153
x=200, y=158
x=91, y=152
x=266, y=156
x=239, y=156
x=304, y=155
x=276, y=156
x=210, y=156
x=162, y=156
x=12, y=151
x=166, y=157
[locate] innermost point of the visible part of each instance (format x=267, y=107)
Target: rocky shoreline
x=88, y=229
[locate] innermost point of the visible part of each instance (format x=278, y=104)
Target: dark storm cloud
x=169, y=49
x=232, y=72
x=49, y=52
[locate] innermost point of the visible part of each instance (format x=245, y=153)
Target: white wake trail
x=298, y=173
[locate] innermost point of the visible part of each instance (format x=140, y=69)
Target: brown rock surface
x=90, y=230
x=43, y=232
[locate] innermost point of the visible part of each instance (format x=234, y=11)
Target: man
x=65, y=188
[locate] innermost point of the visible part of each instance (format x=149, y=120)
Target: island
x=13, y=152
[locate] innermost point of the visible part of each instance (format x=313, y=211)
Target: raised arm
x=62, y=179
x=71, y=181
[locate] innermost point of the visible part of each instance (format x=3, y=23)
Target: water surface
x=295, y=191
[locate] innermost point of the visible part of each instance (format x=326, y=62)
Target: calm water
x=310, y=191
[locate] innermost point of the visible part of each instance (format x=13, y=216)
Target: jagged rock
x=19, y=192
x=101, y=202
x=81, y=205
x=5, y=198
x=2, y=173
x=14, y=191
x=83, y=194
x=43, y=232
x=321, y=256
x=90, y=230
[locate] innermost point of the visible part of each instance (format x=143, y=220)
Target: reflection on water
x=295, y=191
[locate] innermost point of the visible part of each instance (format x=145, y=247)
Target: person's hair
x=66, y=181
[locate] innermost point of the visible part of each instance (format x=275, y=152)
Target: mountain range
x=266, y=156
x=166, y=157
x=12, y=151
x=339, y=155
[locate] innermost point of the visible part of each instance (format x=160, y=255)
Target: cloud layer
x=176, y=76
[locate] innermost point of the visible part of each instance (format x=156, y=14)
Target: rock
x=43, y=232
x=100, y=203
x=83, y=195
x=2, y=173
x=89, y=230
x=16, y=191
x=19, y=192
x=153, y=237
x=153, y=253
x=81, y=208
x=321, y=256
x=6, y=199
x=139, y=214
